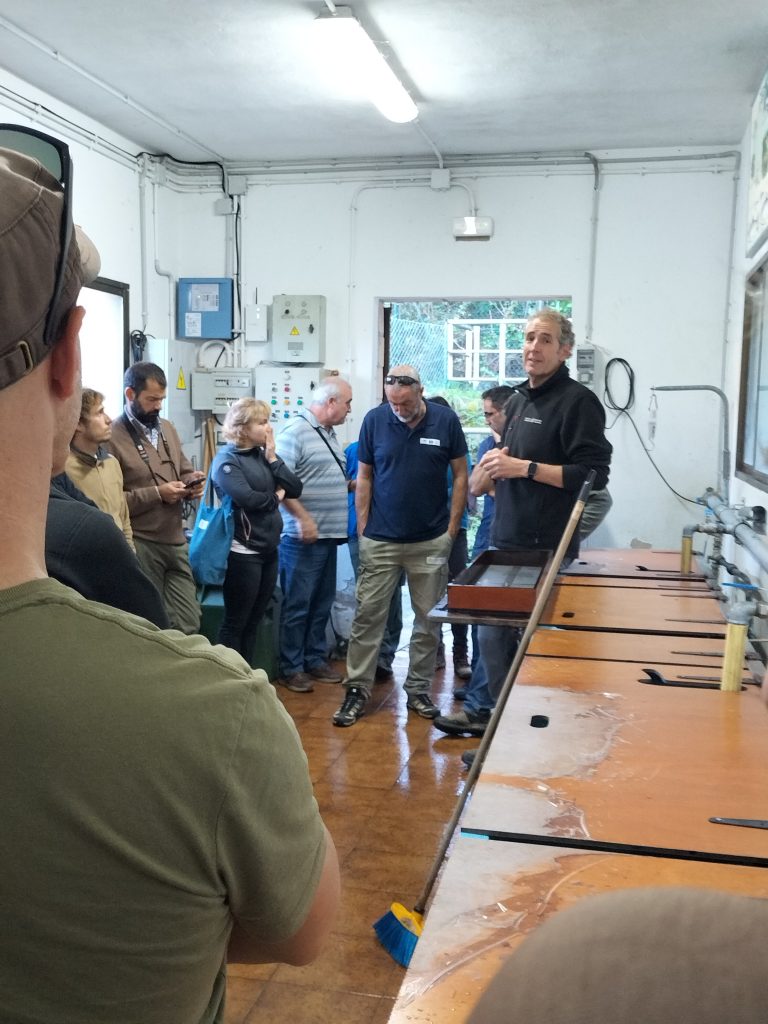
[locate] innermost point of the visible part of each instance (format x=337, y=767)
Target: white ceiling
x=240, y=80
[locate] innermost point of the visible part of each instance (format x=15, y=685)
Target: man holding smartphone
x=157, y=477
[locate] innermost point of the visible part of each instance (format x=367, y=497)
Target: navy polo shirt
x=409, y=499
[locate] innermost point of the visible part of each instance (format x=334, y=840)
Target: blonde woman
x=257, y=480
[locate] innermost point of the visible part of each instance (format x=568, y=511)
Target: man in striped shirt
x=312, y=530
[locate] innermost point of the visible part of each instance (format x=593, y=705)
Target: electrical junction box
x=472, y=229
x=297, y=329
x=255, y=322
x=215, y=390
x=204, y=308
x=287, y=390
x=585, y=365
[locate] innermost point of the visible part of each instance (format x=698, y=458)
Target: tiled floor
x=386, y=786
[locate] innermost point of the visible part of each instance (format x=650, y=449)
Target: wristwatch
x=533, y=468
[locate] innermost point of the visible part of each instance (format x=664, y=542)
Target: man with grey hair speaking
x=405, y=524
x=158, y=815
x=313, y=528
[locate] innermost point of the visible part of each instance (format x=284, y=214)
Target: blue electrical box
x=204, y=308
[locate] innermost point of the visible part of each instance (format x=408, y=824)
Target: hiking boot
x=461, y=666
x=325, y=673
x=464, y=723
x=300, y=682
x=353, y=706
x=440, y=659
x=423, y=705
x=468, y=758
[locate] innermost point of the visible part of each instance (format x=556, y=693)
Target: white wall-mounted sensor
x=472, y=229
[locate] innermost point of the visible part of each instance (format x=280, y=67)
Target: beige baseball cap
x=31, y=207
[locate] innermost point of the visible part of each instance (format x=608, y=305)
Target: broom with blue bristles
x=399, y=929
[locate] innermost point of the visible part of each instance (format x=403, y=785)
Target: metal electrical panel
x=285, y=389
x=585, y=365
x=297, y=329
x=215, y=390
x=204, y=308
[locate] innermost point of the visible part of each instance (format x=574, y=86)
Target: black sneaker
x=464, y=723
x=468, y=758
x=460, y=693
x=422, y=704
x=353, y=706
x=461, y=667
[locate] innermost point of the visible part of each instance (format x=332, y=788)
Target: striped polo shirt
x=325, y=486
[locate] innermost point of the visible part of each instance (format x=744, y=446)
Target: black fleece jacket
x=561, y=423
x=251, y=482
x=85, y=550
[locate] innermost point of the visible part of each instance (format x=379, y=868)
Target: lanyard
x=141, y=449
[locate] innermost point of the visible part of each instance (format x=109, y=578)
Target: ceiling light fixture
x=348, y=47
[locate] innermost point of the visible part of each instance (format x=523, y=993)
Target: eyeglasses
x=396, y=378
x=53, y=154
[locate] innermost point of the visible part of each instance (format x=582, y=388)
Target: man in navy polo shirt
x=404, y=524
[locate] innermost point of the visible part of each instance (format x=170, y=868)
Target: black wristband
x=532, y=470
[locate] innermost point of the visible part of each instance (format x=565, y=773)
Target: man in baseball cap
x=158, y=816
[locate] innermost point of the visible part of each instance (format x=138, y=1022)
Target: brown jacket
x=151, y=518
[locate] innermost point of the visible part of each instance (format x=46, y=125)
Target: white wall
x=661, y=280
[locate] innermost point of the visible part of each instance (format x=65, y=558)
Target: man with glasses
x=404, y=523
x=473, y=718
x=157, y=811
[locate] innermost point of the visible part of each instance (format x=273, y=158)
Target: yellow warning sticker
x=295, y=330
x=181, y=384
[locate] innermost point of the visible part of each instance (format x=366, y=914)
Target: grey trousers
x=425, y=564
x=167, y=565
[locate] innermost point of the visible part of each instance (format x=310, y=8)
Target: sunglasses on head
x=397, y=378
x=53, y=154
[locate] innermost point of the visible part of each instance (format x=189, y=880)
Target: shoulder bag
x=212, y=537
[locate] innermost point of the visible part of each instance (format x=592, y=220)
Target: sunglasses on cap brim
x=53, y=154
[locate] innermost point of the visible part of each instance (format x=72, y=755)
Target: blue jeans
x=498, y=645
x=308, y=583
x=478, y=695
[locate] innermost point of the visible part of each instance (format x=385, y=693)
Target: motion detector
x=472, y=229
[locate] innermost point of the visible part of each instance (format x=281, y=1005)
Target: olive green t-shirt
x=152, y=787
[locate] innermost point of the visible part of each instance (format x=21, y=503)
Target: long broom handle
x=490, y=731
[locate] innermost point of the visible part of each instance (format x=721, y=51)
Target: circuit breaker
x=297, y=329
x=286, y=390
x=215, y=390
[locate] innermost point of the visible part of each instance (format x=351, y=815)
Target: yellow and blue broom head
x=398, y=931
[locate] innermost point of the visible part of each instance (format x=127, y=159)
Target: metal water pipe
x=725, y=465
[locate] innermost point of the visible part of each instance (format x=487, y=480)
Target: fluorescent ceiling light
x=349, y=49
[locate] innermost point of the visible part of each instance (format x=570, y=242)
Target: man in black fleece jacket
x=554, y=434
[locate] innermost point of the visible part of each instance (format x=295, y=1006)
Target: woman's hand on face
x=269, y=447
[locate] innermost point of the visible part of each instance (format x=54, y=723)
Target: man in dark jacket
x=554, y=434
x=85, y=550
